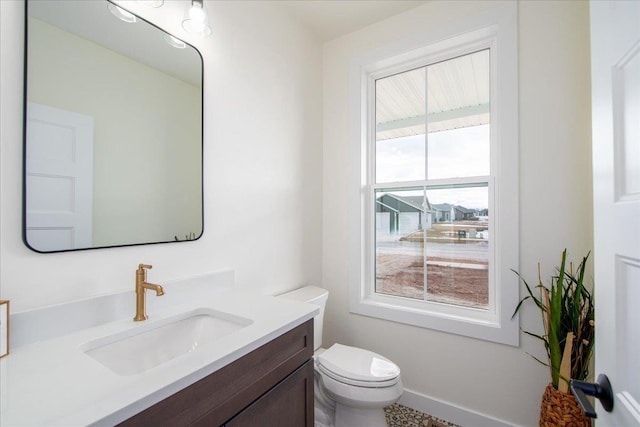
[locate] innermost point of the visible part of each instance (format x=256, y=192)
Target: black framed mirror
x=112, y=130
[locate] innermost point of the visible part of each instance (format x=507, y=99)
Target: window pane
x=453, y=266
x=400, y=159
x=400, y=127
x=459, y=152
x=458, y=107
x=400, y=224
x=456, y=110
x=457, y=249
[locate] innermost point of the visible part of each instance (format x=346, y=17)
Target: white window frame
x=495, y=29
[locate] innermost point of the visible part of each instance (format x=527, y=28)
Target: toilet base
x=324, y=407
x=347, y=416
x=329, y=413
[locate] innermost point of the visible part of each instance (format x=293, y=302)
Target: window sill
x=468, y=322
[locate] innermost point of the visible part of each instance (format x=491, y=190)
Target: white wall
x=499, y=381
x=262, y=167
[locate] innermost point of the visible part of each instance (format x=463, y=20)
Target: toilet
x=352, y=385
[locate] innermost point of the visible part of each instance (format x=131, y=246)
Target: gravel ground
x=401, y=416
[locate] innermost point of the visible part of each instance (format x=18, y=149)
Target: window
x=433, y=129
x=438, y=203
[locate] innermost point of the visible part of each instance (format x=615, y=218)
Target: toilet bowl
x=352, y=385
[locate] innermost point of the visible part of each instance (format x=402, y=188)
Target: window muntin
x=433, y=128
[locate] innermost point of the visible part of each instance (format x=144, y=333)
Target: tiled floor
x=401, y=416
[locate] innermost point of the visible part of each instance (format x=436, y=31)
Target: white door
x=615, y=74
x=59, y=179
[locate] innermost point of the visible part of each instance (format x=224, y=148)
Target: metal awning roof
x=458, y=96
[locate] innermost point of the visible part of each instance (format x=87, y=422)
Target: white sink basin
x=139, y=349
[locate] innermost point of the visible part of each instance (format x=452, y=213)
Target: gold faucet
x=141, y=287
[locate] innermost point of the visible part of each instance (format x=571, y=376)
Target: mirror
x=113, y=130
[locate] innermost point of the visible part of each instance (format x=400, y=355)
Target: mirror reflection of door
x=59, y=170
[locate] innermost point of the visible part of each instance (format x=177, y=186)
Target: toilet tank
x=316, y=296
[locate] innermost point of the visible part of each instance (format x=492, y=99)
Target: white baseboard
x=448, y=411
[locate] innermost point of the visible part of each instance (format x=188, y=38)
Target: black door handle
x=601, y=389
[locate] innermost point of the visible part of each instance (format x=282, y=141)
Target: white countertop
x=53, y=382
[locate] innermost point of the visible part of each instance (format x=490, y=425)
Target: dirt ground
x=401, y=274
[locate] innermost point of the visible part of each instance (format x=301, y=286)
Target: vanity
x=272, y=385
x=249, y=361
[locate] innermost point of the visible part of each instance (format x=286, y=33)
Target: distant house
x=402, y=215
x=446, y=212
x=442, y=212
x=461, y=213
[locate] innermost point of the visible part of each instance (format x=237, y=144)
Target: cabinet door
x=289, y=404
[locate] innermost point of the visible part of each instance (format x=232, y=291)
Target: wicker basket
x=561, y=409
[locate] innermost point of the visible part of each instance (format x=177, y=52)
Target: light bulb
x=197, y=14
x=197, y=22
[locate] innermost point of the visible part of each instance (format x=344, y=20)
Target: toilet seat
x=357, y=367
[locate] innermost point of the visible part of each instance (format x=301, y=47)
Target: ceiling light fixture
x=122, y=14
x=174, y=42
x=197, y=21
x=151, y=3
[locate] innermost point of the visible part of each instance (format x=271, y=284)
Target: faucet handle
x=143, y=266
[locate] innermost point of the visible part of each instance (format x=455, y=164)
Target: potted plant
x=567, y=310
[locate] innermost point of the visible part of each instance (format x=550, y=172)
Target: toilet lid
x=351, y=363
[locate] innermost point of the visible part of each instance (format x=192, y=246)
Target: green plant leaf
x=570, y=308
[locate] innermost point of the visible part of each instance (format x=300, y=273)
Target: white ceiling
x=328, y=19
x=455, y=93
x=331, y=19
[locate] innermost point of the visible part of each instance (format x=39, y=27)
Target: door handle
x=601, y=389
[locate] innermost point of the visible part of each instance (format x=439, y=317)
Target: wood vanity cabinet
x=271, y=386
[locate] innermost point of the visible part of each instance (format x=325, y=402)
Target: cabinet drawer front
x=217, y=398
